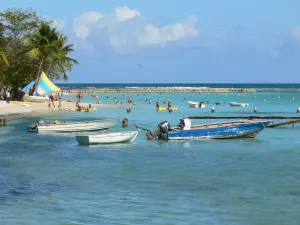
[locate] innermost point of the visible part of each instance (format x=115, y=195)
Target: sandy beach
x=20, y=108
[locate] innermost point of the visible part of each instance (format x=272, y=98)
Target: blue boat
x=225, y=130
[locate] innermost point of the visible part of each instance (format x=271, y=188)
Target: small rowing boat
x=107, y=138
x=196, y=104
x=238, y=104
x=59, y=126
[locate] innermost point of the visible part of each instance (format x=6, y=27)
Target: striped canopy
x=45, y=86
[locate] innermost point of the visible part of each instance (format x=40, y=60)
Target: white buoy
x=255, y=109
x=298, y=110
x=213, y=109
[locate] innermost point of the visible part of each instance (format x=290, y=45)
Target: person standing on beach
x=52, y=99
x=7, y=96
x=59, y=104
x=49, y=105
x=78, y=96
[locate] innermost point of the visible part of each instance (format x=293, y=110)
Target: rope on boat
x=139, y=127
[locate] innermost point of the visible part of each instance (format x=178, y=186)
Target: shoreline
x=19, y=109
x=162, y=90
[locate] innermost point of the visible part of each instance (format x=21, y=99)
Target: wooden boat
x=226, y=130
x=108, y=138
x=39, y=99
x=196, y=104
x=74, y=127
x=238, y=104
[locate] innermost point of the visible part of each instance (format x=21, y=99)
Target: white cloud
x=83, y=23
x=126, y=28
x=124, y=13
x=152, y=35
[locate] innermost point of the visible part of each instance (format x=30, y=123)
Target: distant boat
x=107, y=138
x=238, y=104
x=225, y=130
x=73, y=127
x=196, y=104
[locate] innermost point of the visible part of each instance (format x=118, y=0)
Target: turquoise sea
x=49, y=179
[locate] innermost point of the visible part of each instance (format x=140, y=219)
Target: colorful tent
x=45, y=86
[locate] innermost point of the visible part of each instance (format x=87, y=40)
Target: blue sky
x=178, y=41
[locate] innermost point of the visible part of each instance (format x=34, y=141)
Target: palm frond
x=34, y=53
x=4, y=58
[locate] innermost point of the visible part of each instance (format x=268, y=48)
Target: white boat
x=238, y=104
x=196, y=104
x=39, y=99
x=108, y=138
x=74, y=127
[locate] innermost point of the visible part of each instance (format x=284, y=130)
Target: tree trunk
x=37, y=81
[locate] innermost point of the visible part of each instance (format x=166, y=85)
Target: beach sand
x=20, y=108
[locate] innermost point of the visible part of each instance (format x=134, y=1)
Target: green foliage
x=29, y=45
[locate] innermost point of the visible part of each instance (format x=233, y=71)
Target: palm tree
x=3, y=57
x=61, y=61
x=47, y=48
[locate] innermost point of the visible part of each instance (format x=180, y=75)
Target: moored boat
x=107, y=138
x=224, y=130
x=196, y=104
x=73, y=127
x=238, y=104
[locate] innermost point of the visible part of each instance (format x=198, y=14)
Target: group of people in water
x=158, y=103
x=80, y=108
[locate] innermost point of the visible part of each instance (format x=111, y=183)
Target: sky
x=211, y=41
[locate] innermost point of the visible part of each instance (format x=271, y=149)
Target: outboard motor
x=31, y=127
x=164, y=127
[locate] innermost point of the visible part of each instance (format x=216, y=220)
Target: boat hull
x=38, y=99
x=247, y=130
x=196, y=105
x=76, y=127
x=110, y=138
x=237, y=104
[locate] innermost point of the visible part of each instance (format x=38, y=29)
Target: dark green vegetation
x=30, y=44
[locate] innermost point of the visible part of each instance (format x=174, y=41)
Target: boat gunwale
x=76, y=123
x=123, y=133
x=230, y=124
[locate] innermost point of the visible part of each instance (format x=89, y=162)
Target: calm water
x=49, y=179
